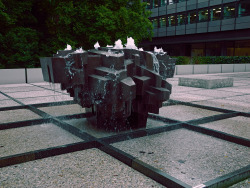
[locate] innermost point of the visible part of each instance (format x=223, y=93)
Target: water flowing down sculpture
x=119, y=86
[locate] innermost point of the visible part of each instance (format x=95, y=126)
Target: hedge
x=184, y=60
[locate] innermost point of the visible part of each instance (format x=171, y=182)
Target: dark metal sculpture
x=119, y=87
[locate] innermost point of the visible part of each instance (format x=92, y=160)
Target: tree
x=34, y=28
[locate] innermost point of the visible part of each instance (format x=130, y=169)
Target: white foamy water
x=68, y=47
x=96, y=46
x=131, y=44
x=80, y=50
x=118, y=44
x=159, y=51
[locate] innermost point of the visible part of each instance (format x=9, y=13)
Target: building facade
x=200, y=27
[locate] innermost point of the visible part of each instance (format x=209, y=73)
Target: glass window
x=215, y=13
x=163, y=22
x=244, y=8
x=191, y=17
x=171, y=20
x=182, y=0
x=148, y=3
x=203, y=15
x=229, y=11
x=163, y=2
x=181, y=19
x=155, y=3
x=155, y=23
x=170, y=2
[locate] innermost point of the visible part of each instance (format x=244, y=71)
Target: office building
x=200, y=27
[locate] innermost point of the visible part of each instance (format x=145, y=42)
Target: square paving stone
x=242, y=184
x=33, y=94
x=186, y=97
x=242, y=89
x=239, y=126
x=3, y=97
x=63, y=110
x=242, y=98
x=226, y=104
x=7, y=103
x=25, y=139
x=17, y=115
x=12, y=85
x=88, y=168
x=214, y=93
x=189, y=156
x=185, y=113
x=20, y=89
x=38, y=100
x=84, y=125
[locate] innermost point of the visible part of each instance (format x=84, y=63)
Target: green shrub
x=182, y=60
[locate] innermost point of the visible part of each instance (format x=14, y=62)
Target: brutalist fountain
x=119, y=86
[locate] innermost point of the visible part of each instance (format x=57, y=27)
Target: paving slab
x=239, y=126
x=216, y=93
x=7, y=103
x=12, y=85
x=242, y=98
x=28, y=94
x=20, y=89
x=25, y=139
x=226, y=104
x=63, y=110
x=189, y=156
x=183, y=89
x=242, y=89
x=88, y=168
x=37, y=100
x=3, y=97
x=185, y=113
x=91, y=129
x=17, y=115
x=186, y=97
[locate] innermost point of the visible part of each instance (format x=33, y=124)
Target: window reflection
x=215, y=13
x=181, y=19
x=172, y=20
x=163, y=2
x=229, y=11
x=191, y=17
x=244, y=8
x=203, y=15
x=170, y=2
x=154, y=3
x=155, y=23
x=163, y=22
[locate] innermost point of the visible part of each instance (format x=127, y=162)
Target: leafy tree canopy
x=30, y=29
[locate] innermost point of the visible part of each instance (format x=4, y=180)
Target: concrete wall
x=211, y=69
x=17, y=76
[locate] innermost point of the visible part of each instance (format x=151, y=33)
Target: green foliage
x=182, y=60
x=220, y=59
x=30, y=29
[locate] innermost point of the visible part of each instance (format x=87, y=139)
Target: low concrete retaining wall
x=32, y=75
x=17, y=76
x=211, y=68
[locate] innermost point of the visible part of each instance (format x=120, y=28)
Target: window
x=170, y=2
x=154, y=3
x=192, y=17
x=163, y=22
x=181, y=19
x=244, y=8
x=155, y=23
x=163, y=2
x=215, y=13
x=171, y=20
x=148, y=6
x=203, y=15
x=229, y=11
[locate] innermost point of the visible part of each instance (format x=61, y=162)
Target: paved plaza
x=200, y=138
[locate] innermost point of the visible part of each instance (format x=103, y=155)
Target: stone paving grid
x=240, y=92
